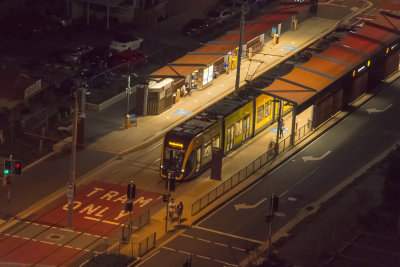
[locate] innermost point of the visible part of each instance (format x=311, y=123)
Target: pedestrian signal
x=8, y=166
x=8, y=179
x=18, y=167
x=165, y=197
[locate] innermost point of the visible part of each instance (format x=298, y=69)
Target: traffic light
x=8, y=166
x=8, y=179
x=274, y=203
x=18, y=167
x=131, y=191
x=129, y=206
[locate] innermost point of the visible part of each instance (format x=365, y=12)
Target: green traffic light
x=6, y=171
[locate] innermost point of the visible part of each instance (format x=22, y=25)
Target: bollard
x=127, y=121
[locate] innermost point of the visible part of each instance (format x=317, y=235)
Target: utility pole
x=71, y=183
x=167, y=203
x=128, y=93
x=239, y=56
x=278, y=129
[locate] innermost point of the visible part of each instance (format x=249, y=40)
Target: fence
x=243, y=174
x=130, y=249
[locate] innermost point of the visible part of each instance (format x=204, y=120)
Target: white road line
x=220, y=244
x=241, y=249
x=204, y=257
x=225, y=263
x=155, y=253
x=26, y=238
x=205, y=240
x=181, y=251
x=66, y=246
x=117, y=170
x=169, y=248
x=299, y=182
x=153, y=147
x=46, y=242
x=230, y=235
x=156, y=160
x=185, y=235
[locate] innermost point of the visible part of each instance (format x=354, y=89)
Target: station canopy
x=306, y=80
x=215, y=50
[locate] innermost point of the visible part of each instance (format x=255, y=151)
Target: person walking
x=171, y=210
x=179, y=210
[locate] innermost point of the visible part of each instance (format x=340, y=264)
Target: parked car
x=73, y=55
x=221, y=16
x=124, y=42
x=236, y=6
x=98, y=57
x=197, y=26
x=129, y=58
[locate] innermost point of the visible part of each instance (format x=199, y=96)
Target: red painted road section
x=99, y=208
x=20, y=251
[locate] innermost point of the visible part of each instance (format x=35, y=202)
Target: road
x=299, y=182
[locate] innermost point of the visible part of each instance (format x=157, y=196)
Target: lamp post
x=71, y=184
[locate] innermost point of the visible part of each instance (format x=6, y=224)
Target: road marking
x=225, y=263
x=246, y=206
x=91, y=218
x=151, y=149
x=241, y=249
x=68, y=246
x=26, y=238
x=155, y=253
x=169, y=248
x=220, y=244
x=181, y=251
x=110, y=222
x=201, y=239
x=299, y=182
x=312, y=158
x=226, y=234
x=156, y=160
x=204, y=257
x=46, y=242
x=187, y=235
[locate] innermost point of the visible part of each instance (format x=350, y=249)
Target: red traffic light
x=18, y=167
x=8, y=179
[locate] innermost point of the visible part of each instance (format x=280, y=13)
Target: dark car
x=127, y=58
x=196, y=26
x=98, y=57
x=72, y=55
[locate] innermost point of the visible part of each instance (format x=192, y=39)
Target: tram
x=227, y=124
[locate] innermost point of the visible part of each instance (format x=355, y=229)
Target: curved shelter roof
x=308, y=79
x=214, y=50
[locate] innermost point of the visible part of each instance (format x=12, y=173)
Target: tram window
x=207, y=150
x=267, y=109
x=260, y=113
x=238, y=128
x=215, y=142
x=173, y=154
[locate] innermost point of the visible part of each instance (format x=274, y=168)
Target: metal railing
x=130, y=249
x=243, y=174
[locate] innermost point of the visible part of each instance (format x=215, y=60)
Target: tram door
x=198, y=159
x=229, y=141
x=246, y=127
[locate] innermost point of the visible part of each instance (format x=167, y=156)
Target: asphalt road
x=303, y=179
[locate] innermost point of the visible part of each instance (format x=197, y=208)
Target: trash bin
x=133, y=121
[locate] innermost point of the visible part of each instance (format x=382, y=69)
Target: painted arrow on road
x=374, y=110
x=245, y=206
x=316, y=158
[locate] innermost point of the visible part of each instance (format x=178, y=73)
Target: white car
x=221, y=15
x=122, y=43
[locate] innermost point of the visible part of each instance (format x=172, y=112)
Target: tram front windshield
x=173, y=154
